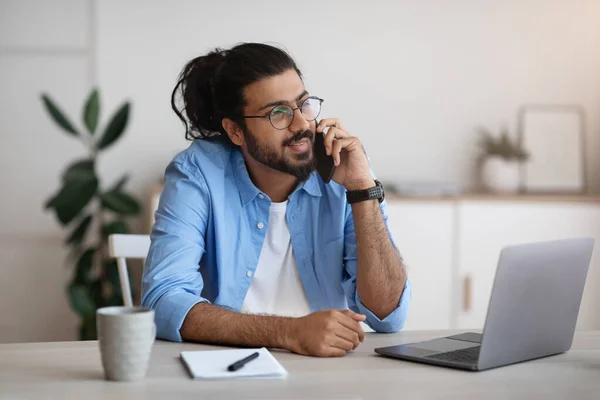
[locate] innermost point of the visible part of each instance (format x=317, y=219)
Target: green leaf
x=84, y=267
x=73, y=197
x=80, y=170
x=76, y=237
x=115, y=127
x=79, y=186
x=120, y=183
x=50, y=202
x=91, y=111
x=96, y=291
x=118, y=226
x=81, y=301
x=121, y=203
x=58, y=116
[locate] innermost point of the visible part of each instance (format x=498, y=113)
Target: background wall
x=411, y=78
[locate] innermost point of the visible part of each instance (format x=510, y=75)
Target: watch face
x=380, y=185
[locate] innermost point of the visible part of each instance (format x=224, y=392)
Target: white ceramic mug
x=125, y=338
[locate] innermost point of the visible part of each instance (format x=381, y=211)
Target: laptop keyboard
x=464, y=356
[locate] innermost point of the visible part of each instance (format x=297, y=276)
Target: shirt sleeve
x=171, y=281
x=397, y=318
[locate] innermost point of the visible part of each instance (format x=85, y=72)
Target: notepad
x=212, y=364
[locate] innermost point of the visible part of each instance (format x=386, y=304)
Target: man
x=250, y=246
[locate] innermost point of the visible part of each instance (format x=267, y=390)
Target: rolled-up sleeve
x=171, y=282
x=394, y=321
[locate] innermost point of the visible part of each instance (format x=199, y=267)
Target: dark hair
x=212, y=86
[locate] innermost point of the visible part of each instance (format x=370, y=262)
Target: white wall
x=411, y=78
x=43, y=47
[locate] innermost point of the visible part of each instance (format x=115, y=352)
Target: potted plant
x=501, y=160
x=90, y=211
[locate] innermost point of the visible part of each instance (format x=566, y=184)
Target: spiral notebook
x=212, y=364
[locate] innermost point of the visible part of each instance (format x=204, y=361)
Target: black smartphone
x=325, y=165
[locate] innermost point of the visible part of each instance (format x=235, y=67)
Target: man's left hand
x=352, y=167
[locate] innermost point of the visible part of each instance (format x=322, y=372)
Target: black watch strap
x=375, y=192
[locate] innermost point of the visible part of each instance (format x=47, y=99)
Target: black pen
x=239, y=364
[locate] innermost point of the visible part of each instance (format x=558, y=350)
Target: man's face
x=288, y=150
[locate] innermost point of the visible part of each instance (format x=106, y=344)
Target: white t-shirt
x=276, y=288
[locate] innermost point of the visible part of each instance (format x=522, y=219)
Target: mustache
x=300, y=135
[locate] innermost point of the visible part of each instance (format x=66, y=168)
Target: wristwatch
x=376, y=192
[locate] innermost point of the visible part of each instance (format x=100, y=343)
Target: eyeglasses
x=282, y=116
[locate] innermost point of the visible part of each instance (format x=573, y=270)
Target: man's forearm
x=206, y=323
x=381, y=275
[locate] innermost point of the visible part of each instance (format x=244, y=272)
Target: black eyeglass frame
x=268, y=114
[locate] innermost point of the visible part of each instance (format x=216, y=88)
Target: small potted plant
x=501, y=159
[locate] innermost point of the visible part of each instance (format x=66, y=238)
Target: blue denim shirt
x=209, y=230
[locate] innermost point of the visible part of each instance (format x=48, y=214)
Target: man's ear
x=233, y=131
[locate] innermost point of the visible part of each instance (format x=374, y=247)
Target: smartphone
x=325, y=165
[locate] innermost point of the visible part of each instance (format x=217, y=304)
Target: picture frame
x=554, y=136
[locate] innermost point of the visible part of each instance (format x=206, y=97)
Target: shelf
x=556, y=198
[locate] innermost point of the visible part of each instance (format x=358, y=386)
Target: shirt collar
x=311, y=185
x=247, y=189
x=245, y=186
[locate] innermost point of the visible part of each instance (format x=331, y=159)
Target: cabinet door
x=423, y=233
x=486, y=227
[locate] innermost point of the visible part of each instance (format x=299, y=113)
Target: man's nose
x=300, y=123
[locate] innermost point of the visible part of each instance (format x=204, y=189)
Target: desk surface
x=73, y=370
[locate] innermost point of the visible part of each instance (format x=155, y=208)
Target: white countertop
x=73, y=370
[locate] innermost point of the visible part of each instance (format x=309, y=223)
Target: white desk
x=73, y=370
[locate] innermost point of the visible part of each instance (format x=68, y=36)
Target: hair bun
x=211, y=87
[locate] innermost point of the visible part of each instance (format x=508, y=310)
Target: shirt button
x=249, y=274
x=260, y=225
x=261, y=196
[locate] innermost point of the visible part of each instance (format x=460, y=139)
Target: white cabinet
x=423, y=233
x=485, y=227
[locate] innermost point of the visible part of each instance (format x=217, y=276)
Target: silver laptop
x=532, y=312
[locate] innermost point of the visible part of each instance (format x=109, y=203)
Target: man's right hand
x=328, y=333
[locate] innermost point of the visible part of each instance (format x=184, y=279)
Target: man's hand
x=329, y=333
x=352, y=167
x=324, y=333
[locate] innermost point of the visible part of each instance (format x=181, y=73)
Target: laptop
x=532, y=312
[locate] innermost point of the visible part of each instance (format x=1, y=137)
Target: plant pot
x=500, y=175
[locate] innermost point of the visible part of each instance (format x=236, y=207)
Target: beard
x=298, y=165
